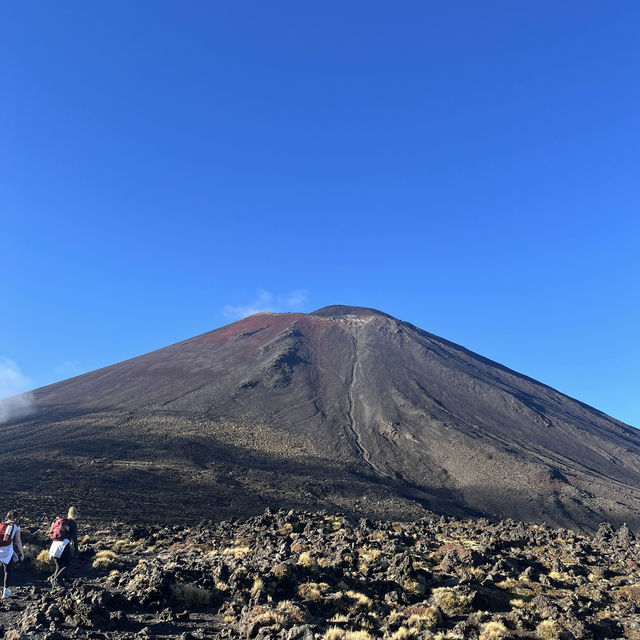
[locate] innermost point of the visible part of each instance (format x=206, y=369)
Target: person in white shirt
x=10, y=531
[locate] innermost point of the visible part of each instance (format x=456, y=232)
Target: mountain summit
x=345, y=408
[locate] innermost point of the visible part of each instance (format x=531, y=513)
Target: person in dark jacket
x=64, y=561
x=8, y=556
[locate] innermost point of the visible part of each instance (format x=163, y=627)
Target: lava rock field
x=314, y=576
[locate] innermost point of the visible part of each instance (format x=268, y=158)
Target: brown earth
x=346, y=408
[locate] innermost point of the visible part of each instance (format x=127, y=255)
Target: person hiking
x=63, y=532
x=9, y=536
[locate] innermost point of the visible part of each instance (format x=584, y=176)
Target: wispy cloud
x=267, y=301
x=15, y=400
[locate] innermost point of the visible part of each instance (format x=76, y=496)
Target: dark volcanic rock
x=258, y=578
x=346, y=408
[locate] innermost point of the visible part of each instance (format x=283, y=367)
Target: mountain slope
x=346, y=407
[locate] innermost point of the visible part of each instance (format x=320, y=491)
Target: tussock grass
x=237, y=552
x=42, y=563
x=548, y=630
x=257, y=586
x=105, y=559
x=312, y=591
x=306, y=560
x=404, y=633
x=293, y=613
x=360, y=600
x=336, y=633
x=423, y=618
x=125, y=546
x=369, y=556
x=450, y=601
x=416, y=587
x=339, y=617
x=493, y=631
x=265, y=617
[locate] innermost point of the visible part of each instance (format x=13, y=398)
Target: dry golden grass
x=548, y=630
x=369, y=555
x=262, y=616
x=313, y=590
x=257, y=587
x=559, y=576
x=478, y=573
x=418, y=617
x=293, y=613
x=42, y=562
x=281, y=571
x=237, y=552
x=423, y=618
x=450, y=601
x=519, y=603
x=336, y=633
x=306, y=560
x=104, y=560
x=416, y=587
x=493, y=631
x=361, y=601
x=268, y=618
x=403, y=633
x=395, y=615
x=339, y=617
x=366, y=558
x=124, y=546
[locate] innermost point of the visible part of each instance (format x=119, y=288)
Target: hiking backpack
x=60, y=529
x=7, y=531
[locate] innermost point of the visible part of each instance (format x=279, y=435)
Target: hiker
x=9, y=535
x=63, y=532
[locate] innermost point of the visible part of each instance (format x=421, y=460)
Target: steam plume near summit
x=16, y=401
x=266, y=301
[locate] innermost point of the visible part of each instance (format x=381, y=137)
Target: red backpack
x=60, y=529
x=7, y=531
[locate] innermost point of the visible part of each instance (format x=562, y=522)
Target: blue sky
x=471, y=167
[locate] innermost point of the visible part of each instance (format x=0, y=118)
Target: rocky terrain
x=318, y=576
x=345, y=408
